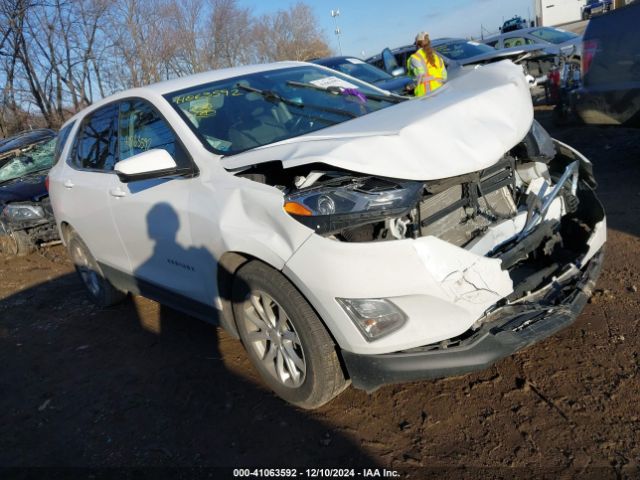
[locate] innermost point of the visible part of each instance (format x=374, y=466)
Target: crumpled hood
x=465, y=126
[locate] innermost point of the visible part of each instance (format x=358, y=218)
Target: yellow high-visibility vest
x=429, y=77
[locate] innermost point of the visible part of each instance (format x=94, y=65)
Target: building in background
x=557, y=12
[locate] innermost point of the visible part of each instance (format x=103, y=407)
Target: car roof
x=520, y=32
x=26, y=138
x=412, y=48
x=436, y=43
x=334, y=60
x=167, y=86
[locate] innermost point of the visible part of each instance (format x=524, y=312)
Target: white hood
x=465, y=126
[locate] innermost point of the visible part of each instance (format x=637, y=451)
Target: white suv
x=344, y=234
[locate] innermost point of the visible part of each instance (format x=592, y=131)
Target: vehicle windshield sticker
x=357, y=61
x=202, y=108
x=476, y=44
x=332, y=82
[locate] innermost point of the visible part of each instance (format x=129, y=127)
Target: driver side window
x=141, y=128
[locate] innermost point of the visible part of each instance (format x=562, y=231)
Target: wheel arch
x=65, y=231
x=228, y=266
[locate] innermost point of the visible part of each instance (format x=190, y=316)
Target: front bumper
x=504, y=331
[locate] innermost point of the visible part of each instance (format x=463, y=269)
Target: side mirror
x=153, y=163
x=398, y=72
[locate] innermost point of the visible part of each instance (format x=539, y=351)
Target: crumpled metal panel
x=463, y=127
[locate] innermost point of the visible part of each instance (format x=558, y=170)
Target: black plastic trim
x=508, y=330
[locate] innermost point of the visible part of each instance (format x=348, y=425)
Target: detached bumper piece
x=505, y=331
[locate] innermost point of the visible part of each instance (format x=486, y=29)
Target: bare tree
x=290, y=35
x=57, y=56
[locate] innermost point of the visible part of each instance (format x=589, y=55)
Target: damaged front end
x=517, y=246
x=26, y=216
x=25, y=225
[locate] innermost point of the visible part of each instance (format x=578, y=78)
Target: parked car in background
x=595, y=7
x=610, y=94
x=515, y=23
x=457, y=52
x=560, y=41
x=401, y=85
x=26, y=218
x=343, y=233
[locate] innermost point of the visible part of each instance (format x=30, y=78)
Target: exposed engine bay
x=534, y=209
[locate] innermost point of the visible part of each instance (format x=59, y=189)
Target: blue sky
x=371, y=25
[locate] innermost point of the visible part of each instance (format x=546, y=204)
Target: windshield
x=28, y=160
x=361, y=70
x=462, y=49
x=236, y=114
x=553, y=35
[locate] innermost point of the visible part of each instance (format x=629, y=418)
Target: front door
x=152, y=216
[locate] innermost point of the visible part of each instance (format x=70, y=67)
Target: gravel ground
x=140, y=385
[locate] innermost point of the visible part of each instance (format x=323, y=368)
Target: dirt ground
x=140, y=385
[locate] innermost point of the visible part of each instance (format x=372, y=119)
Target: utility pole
x=334, y=14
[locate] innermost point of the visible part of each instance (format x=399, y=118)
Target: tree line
x=58, y=56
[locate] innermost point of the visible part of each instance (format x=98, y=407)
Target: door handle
x=68, y=184
x=117, y=192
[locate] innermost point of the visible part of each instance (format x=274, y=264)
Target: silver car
x=567, y=43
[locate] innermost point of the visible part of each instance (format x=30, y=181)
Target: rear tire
x=285, y=339
x=100, y=290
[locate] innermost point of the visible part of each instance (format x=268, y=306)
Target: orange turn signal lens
x=296, y=209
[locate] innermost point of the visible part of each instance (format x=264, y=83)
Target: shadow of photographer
x=140, y=384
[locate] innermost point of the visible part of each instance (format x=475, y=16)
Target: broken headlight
x=330, y=209
x=22, y=212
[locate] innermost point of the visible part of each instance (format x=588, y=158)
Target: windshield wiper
x=335, y=90
x=272, y=96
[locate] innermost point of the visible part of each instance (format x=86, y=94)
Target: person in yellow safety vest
x=426, y=67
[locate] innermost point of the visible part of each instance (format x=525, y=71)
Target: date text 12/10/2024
x=314, y=473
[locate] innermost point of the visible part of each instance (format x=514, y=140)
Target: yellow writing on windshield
x=137, y=142
x=234, y=92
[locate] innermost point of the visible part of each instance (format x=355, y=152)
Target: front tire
x=16, y=243
x=284, y=338
x=100, y=290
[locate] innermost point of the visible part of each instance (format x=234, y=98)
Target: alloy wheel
x=274, y=339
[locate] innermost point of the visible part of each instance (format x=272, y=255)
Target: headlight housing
x=22, y=212
x=374, y=317
x=357, y=201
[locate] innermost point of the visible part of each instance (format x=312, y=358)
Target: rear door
x=87, y=180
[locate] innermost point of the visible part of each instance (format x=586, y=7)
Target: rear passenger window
x=95, y=147
x=141, y=128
